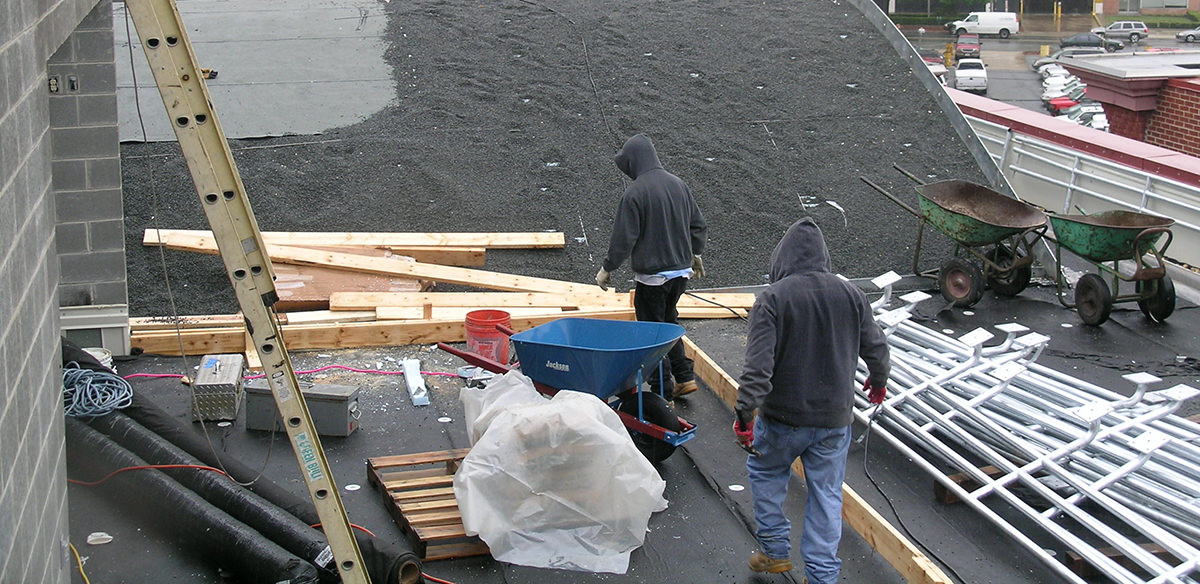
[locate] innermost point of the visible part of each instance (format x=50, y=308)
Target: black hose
x=163, y=501
x=387, y=562
x=276, y=524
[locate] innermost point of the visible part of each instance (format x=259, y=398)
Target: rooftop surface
x=504, y=118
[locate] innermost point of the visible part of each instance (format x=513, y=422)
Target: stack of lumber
x=351, y=316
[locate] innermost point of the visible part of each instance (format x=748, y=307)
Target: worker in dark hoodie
x=660, y=229
x=807, y=332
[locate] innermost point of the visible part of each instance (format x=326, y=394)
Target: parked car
x=967, y=46
x=1053, y=70
x=932, y=56
x=997, y=23
x=1065, y=53
x=1130, y=30
x=1081, y=112
x=971, y=75
x=1188, y=36
x=1091, y=39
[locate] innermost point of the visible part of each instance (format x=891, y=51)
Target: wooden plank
x=945, y=496
x=499, y=300
x=455, y=550
x=423, y=495
x=448, y=274
x=307, y=288
x=420, y=483
x=440, y=531
x=711, y=373
x=905, y=557
x=253, y=363
x=203, y=242
x=384, y=462
x=1086, y=569
x=518, y=240
x=338, y=335
x=430, y=519
x=736, y=303
x=167, y=323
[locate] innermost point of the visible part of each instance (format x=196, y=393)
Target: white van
x=998, y=23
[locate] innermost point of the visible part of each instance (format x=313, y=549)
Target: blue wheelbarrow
x=606, y=358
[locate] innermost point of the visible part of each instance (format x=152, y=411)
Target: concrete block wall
x=1175, y=123
x=90, y=230
x=33, y=492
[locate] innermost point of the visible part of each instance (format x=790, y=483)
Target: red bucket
x=482, y=337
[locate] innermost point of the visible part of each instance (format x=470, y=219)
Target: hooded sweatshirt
x=807, y=331
x=658, y=225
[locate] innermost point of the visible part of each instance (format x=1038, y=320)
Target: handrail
x=1060, y=178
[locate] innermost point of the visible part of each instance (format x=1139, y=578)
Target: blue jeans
x=823, y=452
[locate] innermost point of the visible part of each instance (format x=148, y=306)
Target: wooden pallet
x=418, y=490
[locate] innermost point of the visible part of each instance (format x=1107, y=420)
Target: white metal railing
x=1065, y=180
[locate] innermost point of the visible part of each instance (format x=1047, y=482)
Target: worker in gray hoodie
x=807, y=332
x=660, y=229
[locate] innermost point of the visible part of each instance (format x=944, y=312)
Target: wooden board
x=499, y=300
x=418, y=492
x=303, y=288
x=737, y=304
x=162, y=323
x=521, y=240
x=203, y=341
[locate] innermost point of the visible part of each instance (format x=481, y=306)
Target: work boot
x=683, y=388
x=759, y=562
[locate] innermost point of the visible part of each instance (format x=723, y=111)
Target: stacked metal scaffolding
x=1099, y=471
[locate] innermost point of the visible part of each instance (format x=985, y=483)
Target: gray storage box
x=217, y=389
x=333, y=408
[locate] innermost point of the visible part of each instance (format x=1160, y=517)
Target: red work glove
x=743, y=428
x=875, y=393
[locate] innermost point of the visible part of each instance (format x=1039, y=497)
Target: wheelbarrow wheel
x=1093, y=300
x=961, y=282
x=1009, y=281
x=655, y=410
x=1157, y=298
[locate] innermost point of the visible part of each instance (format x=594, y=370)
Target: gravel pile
x=507, y=115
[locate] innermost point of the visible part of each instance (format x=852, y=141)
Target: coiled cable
x=90, y=394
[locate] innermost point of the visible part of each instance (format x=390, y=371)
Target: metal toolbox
x=333, y=408
x=217, y=388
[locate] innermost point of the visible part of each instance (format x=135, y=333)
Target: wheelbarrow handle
x=505, y=330
x=895, y=200
x=910, y=175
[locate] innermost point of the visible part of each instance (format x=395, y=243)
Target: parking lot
x=1010, y=79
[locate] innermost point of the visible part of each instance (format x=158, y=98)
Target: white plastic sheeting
x=553, y=483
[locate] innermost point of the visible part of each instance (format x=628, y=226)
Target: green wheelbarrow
x=988, y=228
x=1107, y=238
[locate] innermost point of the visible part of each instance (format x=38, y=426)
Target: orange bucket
x=482, y=337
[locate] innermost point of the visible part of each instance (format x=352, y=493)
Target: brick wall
x=1126, y=122
x=1175, y=124
x=33, y=493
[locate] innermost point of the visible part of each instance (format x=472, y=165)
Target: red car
x=967, y=46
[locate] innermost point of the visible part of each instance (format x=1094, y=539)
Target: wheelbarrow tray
x=596, y=356
x=974, y=215
x=1107, y=236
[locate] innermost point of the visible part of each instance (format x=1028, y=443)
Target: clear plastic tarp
x=553, y=483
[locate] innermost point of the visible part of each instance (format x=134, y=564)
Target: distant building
x=1149, y=96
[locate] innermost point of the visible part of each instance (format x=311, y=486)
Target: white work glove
x=602, y=279
x=697, y=267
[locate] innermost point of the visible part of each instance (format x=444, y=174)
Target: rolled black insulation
x=276, y=524
x=387, y=562
x=177, y=510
